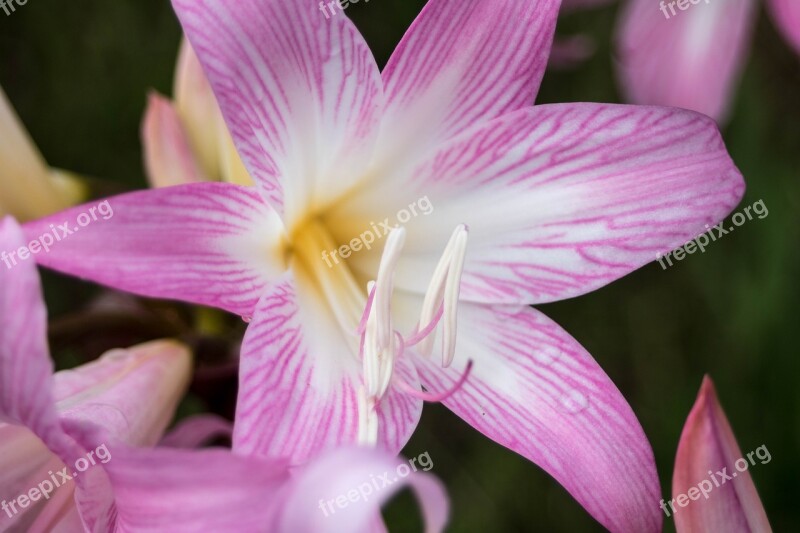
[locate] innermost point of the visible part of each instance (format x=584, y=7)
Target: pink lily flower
x=77, y=456
x=712, y=488
x=691, y=54
x=555, y=200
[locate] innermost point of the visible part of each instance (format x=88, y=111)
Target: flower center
x=364, y=310
x=336, y=284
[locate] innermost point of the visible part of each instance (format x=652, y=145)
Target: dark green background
x=78, y=73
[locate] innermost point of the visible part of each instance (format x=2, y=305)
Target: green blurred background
x=78, y=73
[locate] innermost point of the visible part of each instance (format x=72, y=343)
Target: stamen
x=444, y=289
x=433, y=295
x=362, y=325
x=451, y=292
x=367, y=419
x=384, y=285
x=420, y=335
x=378, y=362
x=387, y=366
x=381, y=346
x=372, y=355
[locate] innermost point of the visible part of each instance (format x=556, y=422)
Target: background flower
x=710, y=461
x=28, y=187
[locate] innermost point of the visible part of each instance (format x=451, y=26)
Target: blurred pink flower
x=716, y=494
x=786, y=14
x=692, y=58
x=559, y=201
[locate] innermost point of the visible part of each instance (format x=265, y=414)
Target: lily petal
x=351, y=469
x=535, y=390
x=299, y=378
x=132, y=393
x=563, y=199
x=302, y=95
x=127, y=396
x=212, y=244
x=708, y=444
x=786, y=14
x=461, y=64
x=26, y=370
x=26, y=394
x=691, y=60
x=26, y=188
x=169, y=159
x=202, y=490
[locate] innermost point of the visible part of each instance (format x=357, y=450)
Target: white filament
x=443, y=289
x=367, y=419
x=451, y=292
x=380, y=341
x=384, y=285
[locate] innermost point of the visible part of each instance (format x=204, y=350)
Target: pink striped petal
x=126, y=397
x=302, y=95
x=198, y=430
x=691, y=60
x=24, y=462
x=786, y=14
x=165, y=490
x=462, y=64
x=207, y=243
x=359, y=476
x=708, y=444
x=299, y=378
x=26, y=393
x=535, y=390
x=563, y=199
x=26, y=384
x=168, y=158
